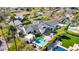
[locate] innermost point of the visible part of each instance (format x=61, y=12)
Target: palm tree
x=67, y=26
x=15, y=41
x=14, y=31
x=4, y=36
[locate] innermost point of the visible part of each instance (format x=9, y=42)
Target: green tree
x=1, y=19
x=45, y=18
x=19, y=42
x=4, y=33
x=26, y=20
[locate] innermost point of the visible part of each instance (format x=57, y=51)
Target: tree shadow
x=65, y=37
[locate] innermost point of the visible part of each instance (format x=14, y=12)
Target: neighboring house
x=18, y=25
x=6, y=18
x=72, y=25
x=19, y=18
x=65, y=21
x=36, y=21
x=74, y=9
x=74, y=28
x=38, y=14
x=16, y=22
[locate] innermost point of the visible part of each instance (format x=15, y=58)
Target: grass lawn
x=73, y=32
x=68, y=40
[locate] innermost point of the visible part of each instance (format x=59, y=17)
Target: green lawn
x=68, y=40
x=73, y=32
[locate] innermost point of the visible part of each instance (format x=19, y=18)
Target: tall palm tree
x=5, y=38
x=3, y=34
x=12, y=19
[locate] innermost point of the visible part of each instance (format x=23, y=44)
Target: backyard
x=69, y=40
x=73, y=32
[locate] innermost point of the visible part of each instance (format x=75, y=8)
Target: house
x=36, y=29
x=28, y=29
x=47, y=28
x=47, y=31
x=31, y=29
x=52, y=24
x=41, y=28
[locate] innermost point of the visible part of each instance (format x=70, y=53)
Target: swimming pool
x=40, y=41
x=59, y=49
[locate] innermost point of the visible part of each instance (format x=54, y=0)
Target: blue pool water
x=59, y=49
x=41, y=41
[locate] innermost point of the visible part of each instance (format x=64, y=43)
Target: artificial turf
x=69, y=40
x=73, y=32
